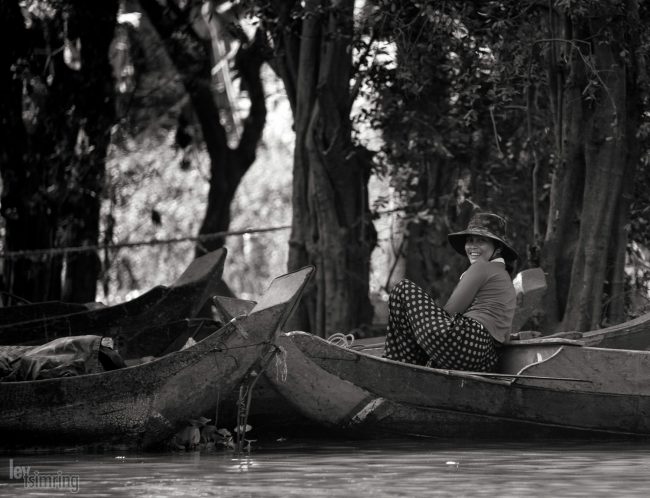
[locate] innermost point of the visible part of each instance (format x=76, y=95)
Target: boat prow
x=142, y=405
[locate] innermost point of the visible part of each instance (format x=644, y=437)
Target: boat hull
x=143, y=405
x=371, y=395
x=158, y=306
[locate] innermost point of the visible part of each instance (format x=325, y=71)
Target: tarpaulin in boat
x=62, y=357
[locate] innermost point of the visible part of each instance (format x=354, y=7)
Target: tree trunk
x=566, y=189
x=617, y=290
x=331, y=226
x=190, y=54
x=596, y=144
x=605, y=158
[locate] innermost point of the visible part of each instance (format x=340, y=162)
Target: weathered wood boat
x=269, y=410
x=40, y=311
x=160, y=305
x=142, y=405
x=553, y=387
x=633, y=334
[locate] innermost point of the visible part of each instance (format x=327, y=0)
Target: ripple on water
x=374, y=469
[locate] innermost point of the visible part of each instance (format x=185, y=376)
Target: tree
x=572, y=69
x=597, y=94
x=188, y=41
x=57, y=114
x=331, y=226
x=432, y=104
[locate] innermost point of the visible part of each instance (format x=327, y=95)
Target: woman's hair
x=510, y=264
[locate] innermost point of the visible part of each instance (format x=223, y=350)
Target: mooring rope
x=246, y=394
x=281, y=370
x=342, y=340
x=59, y=251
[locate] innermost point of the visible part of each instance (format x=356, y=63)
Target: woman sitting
x=464, y=334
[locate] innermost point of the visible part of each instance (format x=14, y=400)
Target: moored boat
x=270, y=411
x=41, y=310
x=555, y=387
x=140, y=406
x=160, y=305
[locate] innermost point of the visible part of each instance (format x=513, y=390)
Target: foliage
x=460, y=94
x=151, y=195
x=451, y=113
x=159, y=179
x=57, y=111
x=464, y=92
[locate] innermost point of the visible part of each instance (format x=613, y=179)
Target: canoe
x=554, y=388
x=183, y=299
x=271, y=412
x=142, y=406
x=268, y=410
x=41, y=310
x=633, y=334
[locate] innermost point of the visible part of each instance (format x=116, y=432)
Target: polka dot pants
x=423, y=333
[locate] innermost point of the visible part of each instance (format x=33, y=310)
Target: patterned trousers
x=423, y=333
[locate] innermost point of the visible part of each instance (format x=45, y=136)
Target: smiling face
x=480, y=248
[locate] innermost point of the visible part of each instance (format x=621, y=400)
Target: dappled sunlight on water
x=343, y=469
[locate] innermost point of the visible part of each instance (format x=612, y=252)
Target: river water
x=336, y=468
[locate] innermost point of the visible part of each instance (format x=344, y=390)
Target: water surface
x=351, y=469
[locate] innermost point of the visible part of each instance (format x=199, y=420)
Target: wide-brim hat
x=487, y=225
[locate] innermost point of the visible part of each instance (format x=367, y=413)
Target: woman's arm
x=469, y=284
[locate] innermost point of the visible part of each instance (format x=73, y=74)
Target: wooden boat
x=40, y=311
x=554, y=387
x=269, y=410
x=143, y=405
x=160, y=305
x=633, y=334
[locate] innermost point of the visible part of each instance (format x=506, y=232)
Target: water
x=352, y=469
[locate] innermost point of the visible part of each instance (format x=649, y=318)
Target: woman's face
x=479, y=248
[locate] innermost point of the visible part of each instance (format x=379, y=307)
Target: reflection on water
x=352, y=469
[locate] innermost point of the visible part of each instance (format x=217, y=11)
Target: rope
x=246, y=394
x=216, y=410
x=56, y=251
x=236, y=322
x=281, y=370
x=62, y=251
x=342, y=340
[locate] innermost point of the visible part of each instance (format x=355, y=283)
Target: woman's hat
x=487, y=225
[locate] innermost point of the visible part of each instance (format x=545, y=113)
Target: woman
x=464, y=334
